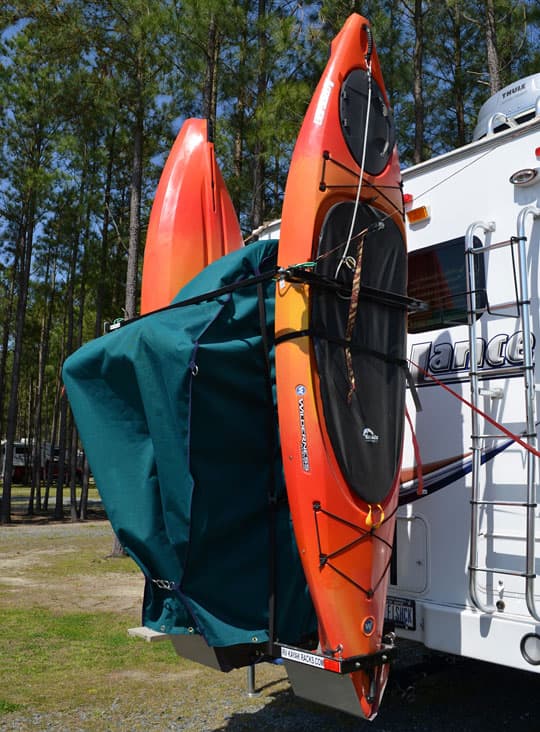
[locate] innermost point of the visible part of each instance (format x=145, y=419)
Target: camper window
x=438, y=277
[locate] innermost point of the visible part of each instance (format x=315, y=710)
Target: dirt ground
x=24, y=564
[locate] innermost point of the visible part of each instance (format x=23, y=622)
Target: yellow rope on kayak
x=369, y=518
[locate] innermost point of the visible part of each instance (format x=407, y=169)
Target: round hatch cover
x=353, y=108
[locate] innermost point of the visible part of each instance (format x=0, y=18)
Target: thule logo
x=513, y=90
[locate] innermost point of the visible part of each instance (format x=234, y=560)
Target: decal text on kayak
x=322, y=104
x=304, y=454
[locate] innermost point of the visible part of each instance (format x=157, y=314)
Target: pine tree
x=30, y=94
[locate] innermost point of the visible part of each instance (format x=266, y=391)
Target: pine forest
x=92, y=97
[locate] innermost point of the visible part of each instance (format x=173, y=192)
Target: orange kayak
x=340, y=357
x=192, y=222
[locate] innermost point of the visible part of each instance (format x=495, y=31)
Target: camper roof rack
x=515, y=104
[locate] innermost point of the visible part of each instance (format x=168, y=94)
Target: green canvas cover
x=176, y=412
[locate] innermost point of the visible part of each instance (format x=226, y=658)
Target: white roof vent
x=513, y=105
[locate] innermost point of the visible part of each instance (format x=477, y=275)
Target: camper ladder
x=476, y=306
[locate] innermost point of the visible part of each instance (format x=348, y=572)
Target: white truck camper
x=467, y=547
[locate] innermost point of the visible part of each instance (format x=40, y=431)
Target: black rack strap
x=344, y=342
x=392, y=299
x=292, y=274
x=401, y=362
x=272, y=496
x=211, y=295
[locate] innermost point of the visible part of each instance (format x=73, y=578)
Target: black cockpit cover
x=366, y=434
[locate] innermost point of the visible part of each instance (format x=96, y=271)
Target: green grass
x=81, y=558
x=6, y=707
x=65, y=655
x=52, y=654
x=19, y=490
x=53, y=660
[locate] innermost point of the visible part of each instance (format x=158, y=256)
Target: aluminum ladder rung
x=507, y=304
x=519, y=504
x=490, y=247
x=504, y=371
x=499, y=437
x=515, y=304
x=494, y=570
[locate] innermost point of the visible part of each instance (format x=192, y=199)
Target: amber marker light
x=418, y=214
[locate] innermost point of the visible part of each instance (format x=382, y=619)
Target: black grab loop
x=369, y=49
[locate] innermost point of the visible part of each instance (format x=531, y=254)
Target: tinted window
x=437, y=276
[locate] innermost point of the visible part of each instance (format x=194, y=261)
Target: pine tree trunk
x=62, y=441
x=104, y=248
x=83, y=513
x=53, y=440
x=135, y=210
x=64, y=411
x=259, y=166
x=43, y=355
x=134, y=229
x=459, y=90
x=239, y=115
x=418, y=92
x=211, y=74
x=5, y=340
x=73, y=508
x=25, y=260
x=491, y=45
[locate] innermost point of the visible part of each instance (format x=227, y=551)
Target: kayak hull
x=192, y=222
x=341, y=453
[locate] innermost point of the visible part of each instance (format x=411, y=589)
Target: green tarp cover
x=177, y=415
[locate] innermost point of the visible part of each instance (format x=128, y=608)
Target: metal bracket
x=336, y=664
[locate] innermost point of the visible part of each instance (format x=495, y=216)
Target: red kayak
x=340, y=358
x=192, y=222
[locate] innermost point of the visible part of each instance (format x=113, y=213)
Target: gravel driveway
x=462, y=697
x=426, y=693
